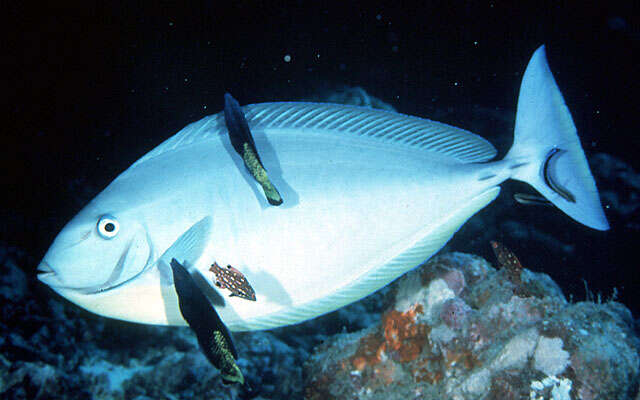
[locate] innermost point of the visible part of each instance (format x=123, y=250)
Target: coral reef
x=460, y=329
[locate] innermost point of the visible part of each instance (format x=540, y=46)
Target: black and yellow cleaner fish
x=213, y=336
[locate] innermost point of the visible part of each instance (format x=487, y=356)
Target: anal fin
x=188, y=247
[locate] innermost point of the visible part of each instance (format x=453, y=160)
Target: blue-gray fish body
x=368, y=195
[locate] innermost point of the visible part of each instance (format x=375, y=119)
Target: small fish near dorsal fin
x=188, y=247
x=242, y=142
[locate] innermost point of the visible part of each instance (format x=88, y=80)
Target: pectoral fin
x=243, y=144
x=188, y=247
x=213, y=336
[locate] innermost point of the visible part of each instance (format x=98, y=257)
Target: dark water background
x=91, y=88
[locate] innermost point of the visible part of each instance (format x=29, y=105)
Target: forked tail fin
x=546, y=151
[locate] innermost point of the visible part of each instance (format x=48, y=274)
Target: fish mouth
x=44, y=268
x=47, y=275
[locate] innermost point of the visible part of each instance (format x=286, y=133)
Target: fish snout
x=47, y=275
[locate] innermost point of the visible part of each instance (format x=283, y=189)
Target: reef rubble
x=460, y=329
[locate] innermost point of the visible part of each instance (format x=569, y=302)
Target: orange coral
x=369, y=351
x=385, y=372
x=429, y=368
x=431, y=377
x=401, y=337
x=459, y=356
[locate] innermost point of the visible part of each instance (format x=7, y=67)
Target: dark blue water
x=91, y=88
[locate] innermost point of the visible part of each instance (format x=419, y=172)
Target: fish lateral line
x=243, y=143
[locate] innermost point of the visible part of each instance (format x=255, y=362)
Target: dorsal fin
x=381, y=125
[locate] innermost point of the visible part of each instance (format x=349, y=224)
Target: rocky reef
x=459, y=329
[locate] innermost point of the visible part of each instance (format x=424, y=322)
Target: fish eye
x=108, y=226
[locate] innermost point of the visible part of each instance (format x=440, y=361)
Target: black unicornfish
x=213, y=336
x=243, y=144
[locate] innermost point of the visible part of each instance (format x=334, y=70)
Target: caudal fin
x=546, y=151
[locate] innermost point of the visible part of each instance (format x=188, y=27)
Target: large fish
x=366, y=196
